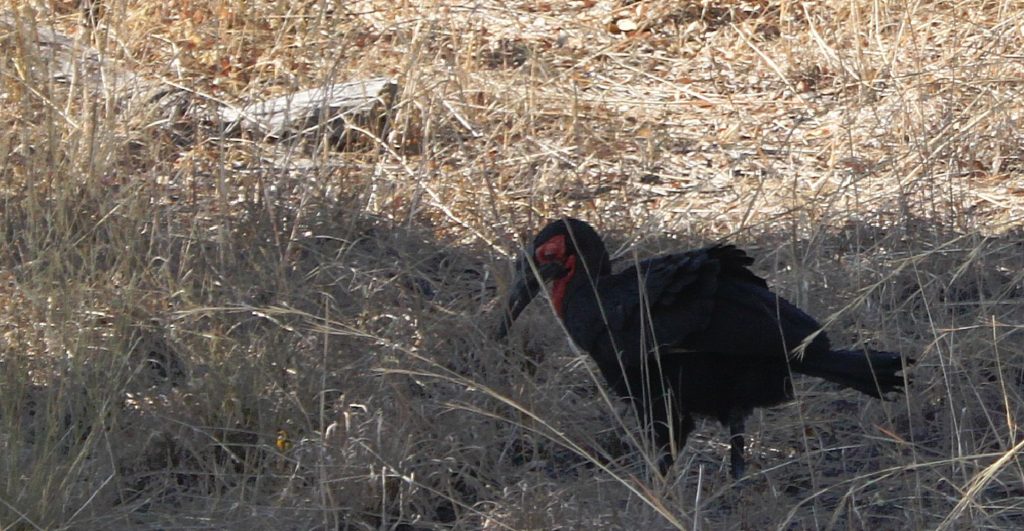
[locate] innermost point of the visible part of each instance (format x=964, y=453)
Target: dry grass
x=170, y=297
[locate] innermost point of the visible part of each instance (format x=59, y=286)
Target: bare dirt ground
x=209, y=330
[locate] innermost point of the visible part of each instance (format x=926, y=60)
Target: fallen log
x=347, y=116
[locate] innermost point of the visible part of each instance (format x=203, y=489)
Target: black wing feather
x=707, y=301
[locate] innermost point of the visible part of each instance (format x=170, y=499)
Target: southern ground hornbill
x=691, y=333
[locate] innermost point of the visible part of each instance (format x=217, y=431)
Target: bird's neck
x=568, y=288
x=560, y=287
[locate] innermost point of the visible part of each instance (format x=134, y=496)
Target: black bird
x=691, y=333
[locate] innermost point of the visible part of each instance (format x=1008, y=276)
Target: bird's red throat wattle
x=554, y=250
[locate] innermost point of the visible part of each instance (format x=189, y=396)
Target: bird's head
x=567, y=249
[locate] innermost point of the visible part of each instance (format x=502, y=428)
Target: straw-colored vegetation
x=200, y=329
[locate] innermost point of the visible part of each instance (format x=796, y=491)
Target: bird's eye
x=552, y=250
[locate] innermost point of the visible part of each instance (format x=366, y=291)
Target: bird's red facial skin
x=553, y=250
x=560, y=286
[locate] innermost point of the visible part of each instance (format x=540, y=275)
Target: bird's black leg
x=736, y=443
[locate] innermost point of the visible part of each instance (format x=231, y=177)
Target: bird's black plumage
x=691, y=333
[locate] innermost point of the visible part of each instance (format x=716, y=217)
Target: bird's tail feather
x=872, y=372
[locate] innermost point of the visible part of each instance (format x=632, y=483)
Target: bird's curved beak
x=527, y=285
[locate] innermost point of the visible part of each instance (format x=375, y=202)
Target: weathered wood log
x=64, y=59
x=347, y=116
x=341, y=113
